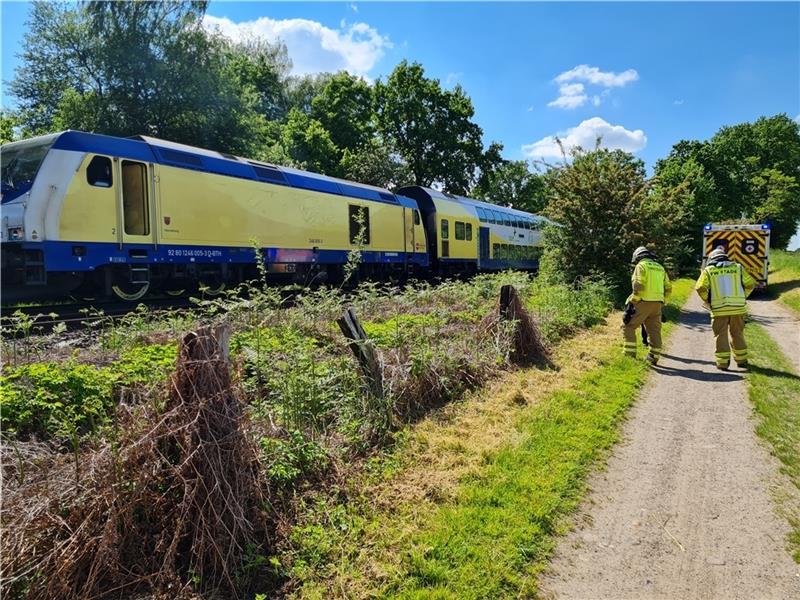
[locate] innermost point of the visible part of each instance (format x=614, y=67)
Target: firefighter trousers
x=724, y=327
x=647, y=313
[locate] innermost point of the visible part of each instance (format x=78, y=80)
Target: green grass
x=784, y=277
x=774, y=389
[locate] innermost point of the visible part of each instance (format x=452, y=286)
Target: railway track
x=43, y=318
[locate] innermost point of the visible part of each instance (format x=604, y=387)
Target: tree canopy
x=745, y=172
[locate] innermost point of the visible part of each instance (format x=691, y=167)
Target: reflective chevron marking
x=736, y=241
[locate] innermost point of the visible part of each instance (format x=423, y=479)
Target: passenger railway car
x=93, y=214
x=466, y=234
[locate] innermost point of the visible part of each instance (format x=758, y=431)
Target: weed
x=287, y=460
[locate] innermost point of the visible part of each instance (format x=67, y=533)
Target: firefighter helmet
x=640, y=253
x=718, y=254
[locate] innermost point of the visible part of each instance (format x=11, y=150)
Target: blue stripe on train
x=87, y=256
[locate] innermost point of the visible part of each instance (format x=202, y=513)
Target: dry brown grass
x=171, y=505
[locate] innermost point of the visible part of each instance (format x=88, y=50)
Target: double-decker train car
x=93, y=214
x=469, y=235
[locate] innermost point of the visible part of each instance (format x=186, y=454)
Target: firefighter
x=651, y=287
x=724, y=286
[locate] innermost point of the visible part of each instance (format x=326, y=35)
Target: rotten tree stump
x=528, y=345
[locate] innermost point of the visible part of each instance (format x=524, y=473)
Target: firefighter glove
x=630, y=309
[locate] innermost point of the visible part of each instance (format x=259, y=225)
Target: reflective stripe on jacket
x=650, y=282
x=725, y=286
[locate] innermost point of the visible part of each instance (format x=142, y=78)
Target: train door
x=409, y=230
x=136, y=206
x=136, y=216
x=483, y=244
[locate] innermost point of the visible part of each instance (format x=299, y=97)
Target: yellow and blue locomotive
x=125, y=216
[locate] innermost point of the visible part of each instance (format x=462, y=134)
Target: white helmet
x=640, y=253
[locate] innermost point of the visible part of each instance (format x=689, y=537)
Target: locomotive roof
x=160, y=151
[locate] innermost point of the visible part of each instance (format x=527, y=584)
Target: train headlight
x=16, y=233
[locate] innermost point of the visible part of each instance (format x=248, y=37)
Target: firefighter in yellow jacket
x=724, y=286
x=651, y=287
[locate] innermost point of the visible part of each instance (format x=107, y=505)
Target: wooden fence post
x=363, y=350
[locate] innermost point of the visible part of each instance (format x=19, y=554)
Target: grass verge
x=774, y=390
x=475, y=505
x=784, y=277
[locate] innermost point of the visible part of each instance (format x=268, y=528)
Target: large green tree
x=431, y=128
x=599, y=200
x=9, y=124
x=726, y=176
x=345, y=107
x=309, y=144
x=374, y=163
x=125, y=68
x=511, y=183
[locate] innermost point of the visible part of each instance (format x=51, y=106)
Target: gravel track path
x=683, y=509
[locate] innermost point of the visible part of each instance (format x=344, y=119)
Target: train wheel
x=213, y=289
x=130, y=292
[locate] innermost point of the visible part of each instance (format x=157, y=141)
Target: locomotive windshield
x=20, y=161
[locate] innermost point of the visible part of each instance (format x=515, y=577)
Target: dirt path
x=683, y=509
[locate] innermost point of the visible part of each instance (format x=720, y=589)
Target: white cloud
x=313, y=47
x=572, y=93
x=797, y=118
x=354, y=8
x=677, y=102
x=452, y=78
x=595, y=76
x=572, y=96
x=614, y=137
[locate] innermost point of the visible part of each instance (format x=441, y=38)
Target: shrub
x=287, y=460
x=56, y=400
x=146, y=364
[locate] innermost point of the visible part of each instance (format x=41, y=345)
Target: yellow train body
x=206, y=209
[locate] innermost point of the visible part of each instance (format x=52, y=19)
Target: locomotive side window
x=460, y=235
x=469, y=232
x=98, y=173
x=445, y=229
x=135, y=208
x=359, y=224
x=417, y=220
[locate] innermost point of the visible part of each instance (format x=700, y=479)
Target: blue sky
x=643, y=75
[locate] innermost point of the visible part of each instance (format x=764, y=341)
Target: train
x=90, y=214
